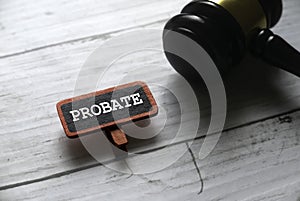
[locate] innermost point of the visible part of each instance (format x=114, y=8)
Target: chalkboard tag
x=107, y=110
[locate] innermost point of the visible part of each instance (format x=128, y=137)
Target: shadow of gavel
x=226, y=30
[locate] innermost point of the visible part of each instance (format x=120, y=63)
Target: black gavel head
x=221, y=27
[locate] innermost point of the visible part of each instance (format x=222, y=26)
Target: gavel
x=227, y=29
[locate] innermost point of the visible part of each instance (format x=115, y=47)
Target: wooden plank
x=289, y=22
x=31, y=86
x=30, y=25
x=105, y=184
x=256, y=162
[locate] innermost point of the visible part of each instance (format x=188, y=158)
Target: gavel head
x=221, y=27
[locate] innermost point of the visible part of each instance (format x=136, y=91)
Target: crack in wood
x=197, y=169
x=285, y=119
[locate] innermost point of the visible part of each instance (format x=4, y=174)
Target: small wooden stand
x=117, y=137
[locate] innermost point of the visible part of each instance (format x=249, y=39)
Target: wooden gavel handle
x=275, y=50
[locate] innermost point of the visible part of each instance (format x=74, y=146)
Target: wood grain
x=30, y=25
x=32, y=86
x=257, y=162
x=40, y=39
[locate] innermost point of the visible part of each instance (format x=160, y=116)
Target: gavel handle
x=275, y=50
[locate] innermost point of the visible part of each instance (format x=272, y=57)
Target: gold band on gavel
x=248, y=13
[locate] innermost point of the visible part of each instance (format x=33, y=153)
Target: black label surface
x=106, y=108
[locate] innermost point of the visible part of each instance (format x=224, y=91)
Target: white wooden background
x=43, y=46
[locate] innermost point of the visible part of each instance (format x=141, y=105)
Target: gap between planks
x=279, y=27
x=86, y=38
